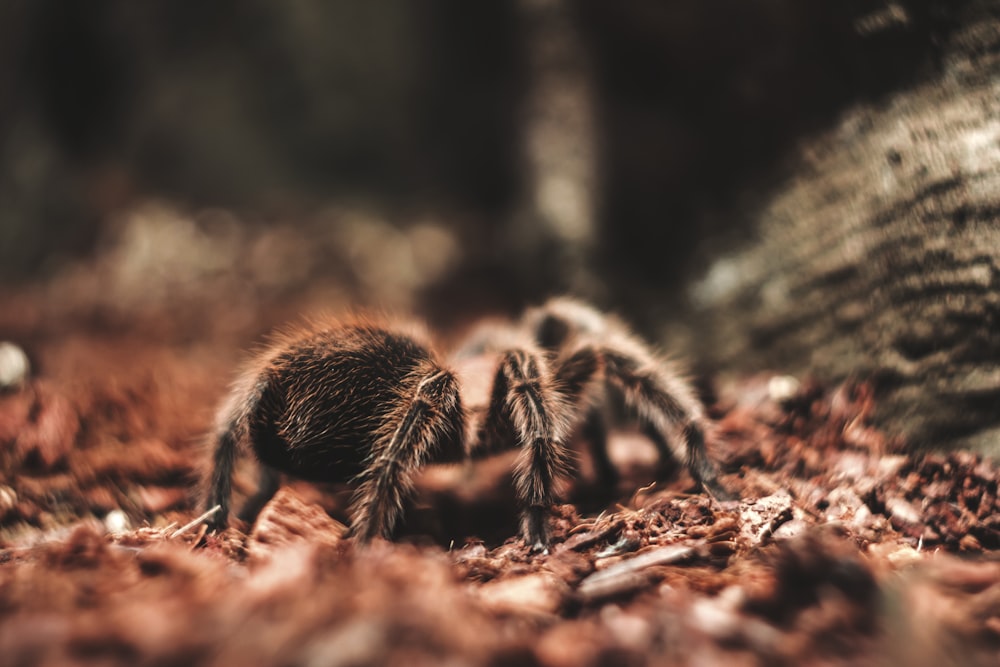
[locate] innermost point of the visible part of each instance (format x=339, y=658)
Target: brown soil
x=845, y=549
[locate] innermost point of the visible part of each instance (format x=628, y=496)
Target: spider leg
x=432, y=415
x=667, y=405
x=233, y=428
x=574, y=376
x=595, y=432
x=668, y=462
x=523, y=397
x=220, y=484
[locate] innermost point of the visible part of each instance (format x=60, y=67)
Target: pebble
x=8, y=499
x=781, y=388
x=116, y=521
x=14, y=366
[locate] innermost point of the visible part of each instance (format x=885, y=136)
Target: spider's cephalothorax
x=369, y=404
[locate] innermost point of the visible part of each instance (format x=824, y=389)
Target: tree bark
x=879, y=257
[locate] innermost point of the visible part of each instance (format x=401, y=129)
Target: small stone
x=8, y=499
x=781, y=388
x=14, y=366
x=116, y=522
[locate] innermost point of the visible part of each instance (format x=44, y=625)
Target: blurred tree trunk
x=879, y=256
x=554, y=224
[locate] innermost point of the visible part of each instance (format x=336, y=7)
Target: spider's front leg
x=431, y=419
x=525, y=403
x=667, y=404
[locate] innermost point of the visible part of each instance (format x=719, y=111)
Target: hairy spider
x=367, y=404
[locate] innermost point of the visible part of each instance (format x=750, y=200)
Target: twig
x=629, y=575
x=191, y=524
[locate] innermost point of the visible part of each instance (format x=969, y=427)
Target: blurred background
x=439, y=156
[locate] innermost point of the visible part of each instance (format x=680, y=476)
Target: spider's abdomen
x=329, y=395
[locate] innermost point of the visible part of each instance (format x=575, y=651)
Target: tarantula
x=368, y=404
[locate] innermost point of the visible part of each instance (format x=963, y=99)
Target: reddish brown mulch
x=845, y=550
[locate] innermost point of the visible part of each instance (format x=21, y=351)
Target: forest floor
x=844, y=550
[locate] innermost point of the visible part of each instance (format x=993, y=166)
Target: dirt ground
x=844, y=550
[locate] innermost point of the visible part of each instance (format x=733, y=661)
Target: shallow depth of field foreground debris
x=844, y=550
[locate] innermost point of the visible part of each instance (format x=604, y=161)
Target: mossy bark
x=879, y=256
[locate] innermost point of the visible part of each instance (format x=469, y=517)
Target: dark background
x=273, y=110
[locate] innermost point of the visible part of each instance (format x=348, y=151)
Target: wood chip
x=629, y=575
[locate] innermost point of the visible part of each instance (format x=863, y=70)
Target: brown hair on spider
x=368, y=404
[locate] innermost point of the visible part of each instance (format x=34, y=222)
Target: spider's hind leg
x=668, y=408
x=233, y=427
x=595, y=433
x=574, y=377
x=668, y=462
